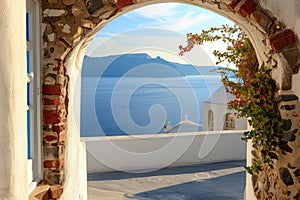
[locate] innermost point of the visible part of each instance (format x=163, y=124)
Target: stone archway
x=68, y=26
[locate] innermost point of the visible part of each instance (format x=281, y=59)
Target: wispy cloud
x=129, y=33
x=185, y=23
x=172, y=16
x=158, y=10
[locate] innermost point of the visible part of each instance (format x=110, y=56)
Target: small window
x=229, y=123
x=210, y=120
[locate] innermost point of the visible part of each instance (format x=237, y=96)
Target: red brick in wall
x=52, y=89
x=282, y=39
x=234, y=4
x=53, y=163
x=53, y=117
x=247, y=8
x=53, y=101
x=124, y=3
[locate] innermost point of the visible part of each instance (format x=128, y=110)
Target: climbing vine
x=253, y=88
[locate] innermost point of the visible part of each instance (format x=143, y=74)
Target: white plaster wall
x=13, y=79
x=249, y=186
x=75, y=186
x=241, y=124
x=220, y=111
x=215, y=146
x=205, y=108
x=289, y=13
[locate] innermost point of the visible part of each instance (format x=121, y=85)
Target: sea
x=141, y=105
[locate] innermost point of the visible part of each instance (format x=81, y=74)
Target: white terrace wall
x=146, y=153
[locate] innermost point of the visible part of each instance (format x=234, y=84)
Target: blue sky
x=178, y=17
x=168, y=23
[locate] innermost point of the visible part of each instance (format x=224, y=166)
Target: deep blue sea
x=133, y=105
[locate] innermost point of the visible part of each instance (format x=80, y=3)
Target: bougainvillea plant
x=253, y=88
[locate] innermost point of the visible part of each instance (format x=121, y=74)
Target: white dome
x=220, y=96
x=185, y=125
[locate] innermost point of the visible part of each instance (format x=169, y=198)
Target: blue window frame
x=28, y=67
x=27, y=26
x=33, y=36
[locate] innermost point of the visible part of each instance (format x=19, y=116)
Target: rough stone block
x=47, y=127
x=287, y=107
x=263, y=19
x=76, y=10
x=52, y=152
x=87, y=24
x=282, y=39
x=68, y=2
x=53, y=176
x=56, y=191
x=292, y=56
x=40, y=192
x=94, y=5
x=78, y=33
x=54, y=137
x=297, y=172
x=49, y=80
x=66, y=28
x=286, y=177
x=287, y=97
x=53, y=12
x=51, y=37
x=286, y=124
x=248, y=8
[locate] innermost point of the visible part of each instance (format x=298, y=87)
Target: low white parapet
x=142, y=153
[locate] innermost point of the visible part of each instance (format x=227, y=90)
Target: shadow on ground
x=228, y=187
x=213, y=181
x=206, y=167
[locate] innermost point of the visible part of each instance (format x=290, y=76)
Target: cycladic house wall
x=13, y=80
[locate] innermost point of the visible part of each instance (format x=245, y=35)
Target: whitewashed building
x=216, y=115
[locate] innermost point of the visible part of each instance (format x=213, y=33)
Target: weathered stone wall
x=282, y=181
x=69, y=23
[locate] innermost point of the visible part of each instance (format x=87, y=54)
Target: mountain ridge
x=140, y=65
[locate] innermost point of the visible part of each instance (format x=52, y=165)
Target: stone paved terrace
x=215, y=181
